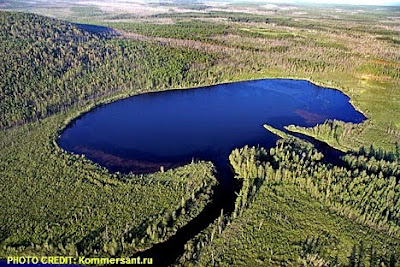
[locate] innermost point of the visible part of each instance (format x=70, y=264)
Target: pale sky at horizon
x=351, y=2
x=354, y=2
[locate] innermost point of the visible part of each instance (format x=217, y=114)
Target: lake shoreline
x=287, y=105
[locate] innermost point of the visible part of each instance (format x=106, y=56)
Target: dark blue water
x=170, y=128
x=142, y=133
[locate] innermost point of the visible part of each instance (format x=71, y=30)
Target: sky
x=355, y=2
x=350, y=2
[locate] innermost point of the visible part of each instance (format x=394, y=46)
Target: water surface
x=144, y=132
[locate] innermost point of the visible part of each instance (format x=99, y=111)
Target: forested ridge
x=48, y=65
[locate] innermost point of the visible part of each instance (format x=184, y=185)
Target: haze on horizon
x=344, y=2
x=341, y=2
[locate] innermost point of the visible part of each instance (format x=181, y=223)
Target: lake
x=141, y=133
x=171, y=128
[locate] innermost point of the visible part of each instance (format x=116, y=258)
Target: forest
x=293, y=206
x=286, y=185
x=48, y=55
x=56, y=203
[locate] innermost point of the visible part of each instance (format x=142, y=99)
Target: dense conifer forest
x=49, y=65
x=283, y=187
